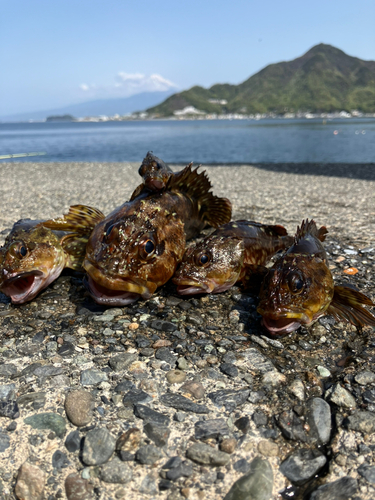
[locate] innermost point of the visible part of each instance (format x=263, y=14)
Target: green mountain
x=324, y=79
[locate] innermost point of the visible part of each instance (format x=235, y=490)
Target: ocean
x=202, y=141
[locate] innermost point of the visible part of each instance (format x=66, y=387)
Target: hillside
x=322, y=80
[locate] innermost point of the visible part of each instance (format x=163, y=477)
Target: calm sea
x=209, y=141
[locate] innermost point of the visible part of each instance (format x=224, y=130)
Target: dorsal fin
x=213, y=209
x=80, y=218
x=309, y=227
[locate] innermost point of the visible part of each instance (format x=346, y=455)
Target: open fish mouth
x=285, y=323
x=24, y=287
x=109, y=297
x=193, y=287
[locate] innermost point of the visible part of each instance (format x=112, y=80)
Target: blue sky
x=58, y=52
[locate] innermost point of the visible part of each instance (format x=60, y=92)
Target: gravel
x=194, y=400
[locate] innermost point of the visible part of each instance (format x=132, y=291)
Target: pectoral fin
x=348, y=305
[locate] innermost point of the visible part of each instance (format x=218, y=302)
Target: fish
x=33, y=256
x=235, y=252
x=299, y=288
x=155, y=174
x=136, y=248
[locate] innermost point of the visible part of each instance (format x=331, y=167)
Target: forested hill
x=322, y=80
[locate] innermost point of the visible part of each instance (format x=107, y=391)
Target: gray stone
x=60, y=460
x=362, y=421
x=30, y=482
x=7, y=390
x=255, y=361
x=67, y=349
x=164, y=354
x=255, y=485
x=48, y=371
x=302, y=465
x=368, y=472
x=9, y=409
x=206, y=455
x=4, y=442
x=182, y=470
x=148, y=485
x=158, y=434
x=135, y=396
x=206, y=429
x=79, y=406
x=341, y=397
x=179, y=402
x=318, y=416
x=51, y=421
x=365, y=377
x=291, y=426
x=165, y=326
x=149, y=415
x=148, y=454
x=122, y=361
x=37, y=398
x=98, y=447
x=229, y=369
x=229, y=398
x=124, y=386
x=73, y=441
x=93, y=377
x=7, y=370
x=241, y=465
x=342, y=489
x=115, y=471
x=77, y=488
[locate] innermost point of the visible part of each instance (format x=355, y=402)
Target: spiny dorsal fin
x=80, y=218
x=309, y=227
x=74, y=245
x=190, y=182
x=348, y=305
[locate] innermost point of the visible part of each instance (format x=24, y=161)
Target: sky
x=59, y=52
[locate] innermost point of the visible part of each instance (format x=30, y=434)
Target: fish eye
x=147, y=248
x=202, y=258
x=109, y=230
x=296, y=282
x=18, y=250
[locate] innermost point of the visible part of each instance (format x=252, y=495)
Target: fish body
x=299, y=288
x=33, y=256
x=234, y=252
x=137, y=247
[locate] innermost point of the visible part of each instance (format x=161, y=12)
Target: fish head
x=128, y=258
x=211, y=266
x=155, y=172
x=29, y=261
x=297, y=290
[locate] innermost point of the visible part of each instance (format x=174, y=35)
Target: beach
x=249, y=403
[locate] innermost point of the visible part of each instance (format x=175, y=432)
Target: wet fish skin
x=299, y=288
x=236, y=251
x=34, y=255
x=137, y=247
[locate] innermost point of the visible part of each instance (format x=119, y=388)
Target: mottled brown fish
x=299, y=288
x=33, y=256
x=155, y=174
x=137, y=247
x=235, y=252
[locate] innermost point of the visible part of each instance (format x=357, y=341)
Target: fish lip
x=108, y=297
x=34, y=281
x=140, y=287
x=280, y=327
x=193, y=287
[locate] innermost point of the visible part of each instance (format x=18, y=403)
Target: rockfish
x=33, y=256
x=137, y=247
x=235, y=252
x=155, y=174
x=299, y=288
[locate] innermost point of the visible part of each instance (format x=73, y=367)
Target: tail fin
x=348, y=305
x=80, y=219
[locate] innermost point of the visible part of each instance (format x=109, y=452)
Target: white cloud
x=127, y=84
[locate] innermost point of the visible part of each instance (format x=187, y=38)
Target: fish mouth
x=115, y=291
x=193, y=287
x=283, y=323
x=24, y=286
x=155, y=184
x=106, y=296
